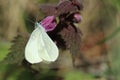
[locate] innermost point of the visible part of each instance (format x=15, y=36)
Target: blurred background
x=100, y=41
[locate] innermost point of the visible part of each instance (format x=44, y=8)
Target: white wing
x=40, y=47
x=31, y=49
x=49, y=51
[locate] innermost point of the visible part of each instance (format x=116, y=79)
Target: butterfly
x=40, y=46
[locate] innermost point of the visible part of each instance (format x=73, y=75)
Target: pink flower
x=49, y=23
x=77, y=17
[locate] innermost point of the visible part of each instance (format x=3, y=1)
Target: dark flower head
x=65, y=34
x=63, y=7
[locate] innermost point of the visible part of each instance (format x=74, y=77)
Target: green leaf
x=4, y=46
x=16, y=54
x=115, y=58
x=77, y=75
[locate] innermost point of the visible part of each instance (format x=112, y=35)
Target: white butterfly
x=40, y=47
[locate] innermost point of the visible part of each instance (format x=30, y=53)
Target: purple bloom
x=77, y=17
x=49, y=23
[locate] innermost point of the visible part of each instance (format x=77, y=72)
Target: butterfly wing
x=40, y=47
x=48, y=51
x=31, y=49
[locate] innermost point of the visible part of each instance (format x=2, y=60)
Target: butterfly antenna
x=30, y=21
x=37, y=17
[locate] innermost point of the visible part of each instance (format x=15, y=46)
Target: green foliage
x=116, y=3
x=115, y=58
x=111, y=36
x=14, y=72
x=77, y=75
x=4, y=49
x=16, y=54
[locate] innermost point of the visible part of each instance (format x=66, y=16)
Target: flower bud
x=75, y=17
x=49, y=23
